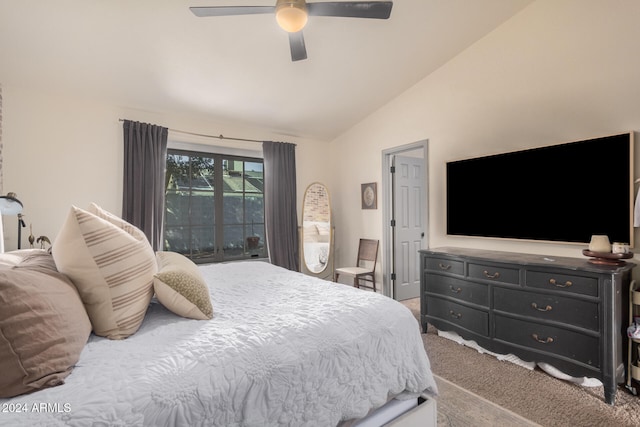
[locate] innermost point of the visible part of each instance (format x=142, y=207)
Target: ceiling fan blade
x=231, y=10
x=352, y=9
x=298, y=49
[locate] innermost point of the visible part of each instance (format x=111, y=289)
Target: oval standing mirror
x=316, y=229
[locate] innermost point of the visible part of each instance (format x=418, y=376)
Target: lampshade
x=291, y=15
x=10, y=205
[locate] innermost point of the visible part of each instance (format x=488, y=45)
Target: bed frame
x=419, y=412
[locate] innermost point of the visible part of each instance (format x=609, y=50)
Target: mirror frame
x=327, y=271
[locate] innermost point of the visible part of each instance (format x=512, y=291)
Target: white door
x=408, y=216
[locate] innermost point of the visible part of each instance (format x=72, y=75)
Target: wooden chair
x=365, y=268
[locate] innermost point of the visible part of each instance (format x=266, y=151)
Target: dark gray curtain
x=280, y=206
x=145, y=156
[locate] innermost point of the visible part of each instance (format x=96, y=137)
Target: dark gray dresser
x=562, y=311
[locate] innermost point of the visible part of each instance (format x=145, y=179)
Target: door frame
x=387, y=187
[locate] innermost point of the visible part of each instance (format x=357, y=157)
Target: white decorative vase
x=600, y=243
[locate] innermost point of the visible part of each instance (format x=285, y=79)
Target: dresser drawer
x=576, y=346
x=563, y=282
x=547, y=307
x=444, y=265
x=495, y=273
x=460, y=315
x=475, y=293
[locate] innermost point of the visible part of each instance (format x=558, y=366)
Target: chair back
x=368, y=253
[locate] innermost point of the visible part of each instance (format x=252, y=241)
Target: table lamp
x=10, y=205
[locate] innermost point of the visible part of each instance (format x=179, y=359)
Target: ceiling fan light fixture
x=291, y=15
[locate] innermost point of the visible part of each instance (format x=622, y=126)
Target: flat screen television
x=561, y=193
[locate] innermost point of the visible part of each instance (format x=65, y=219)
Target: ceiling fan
x=292, y=15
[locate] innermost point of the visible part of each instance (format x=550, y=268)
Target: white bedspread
x=282, y=349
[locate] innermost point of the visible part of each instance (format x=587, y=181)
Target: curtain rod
x=211, y=136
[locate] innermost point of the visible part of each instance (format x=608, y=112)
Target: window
x=214, y=206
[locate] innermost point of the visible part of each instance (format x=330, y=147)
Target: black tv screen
x=560, y=193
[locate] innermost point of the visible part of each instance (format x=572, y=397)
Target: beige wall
x=560, y=71
x=61, y=150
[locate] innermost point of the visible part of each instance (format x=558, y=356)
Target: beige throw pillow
x=180, y=287
x=112, y=264
x=43, y=325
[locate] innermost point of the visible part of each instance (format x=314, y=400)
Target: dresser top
x=529, y=259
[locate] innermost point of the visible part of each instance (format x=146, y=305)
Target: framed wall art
x=369, y=193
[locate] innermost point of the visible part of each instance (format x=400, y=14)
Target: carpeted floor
x=532, y=394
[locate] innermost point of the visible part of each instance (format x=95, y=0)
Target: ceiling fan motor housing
x=291, y=15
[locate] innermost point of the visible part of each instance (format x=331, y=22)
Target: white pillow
x=112, y=264
x=180, y=287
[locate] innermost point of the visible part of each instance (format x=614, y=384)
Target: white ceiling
x=156, y=55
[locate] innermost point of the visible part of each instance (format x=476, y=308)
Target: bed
x=280, y=348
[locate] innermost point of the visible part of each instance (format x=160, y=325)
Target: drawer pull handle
x=535, y=306
x=444, y=266
x=455, y=290
x=454, y=314
x=491, y=276
x=561, y=285
x=548, y=340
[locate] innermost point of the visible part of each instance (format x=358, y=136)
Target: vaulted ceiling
x=156, y=55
